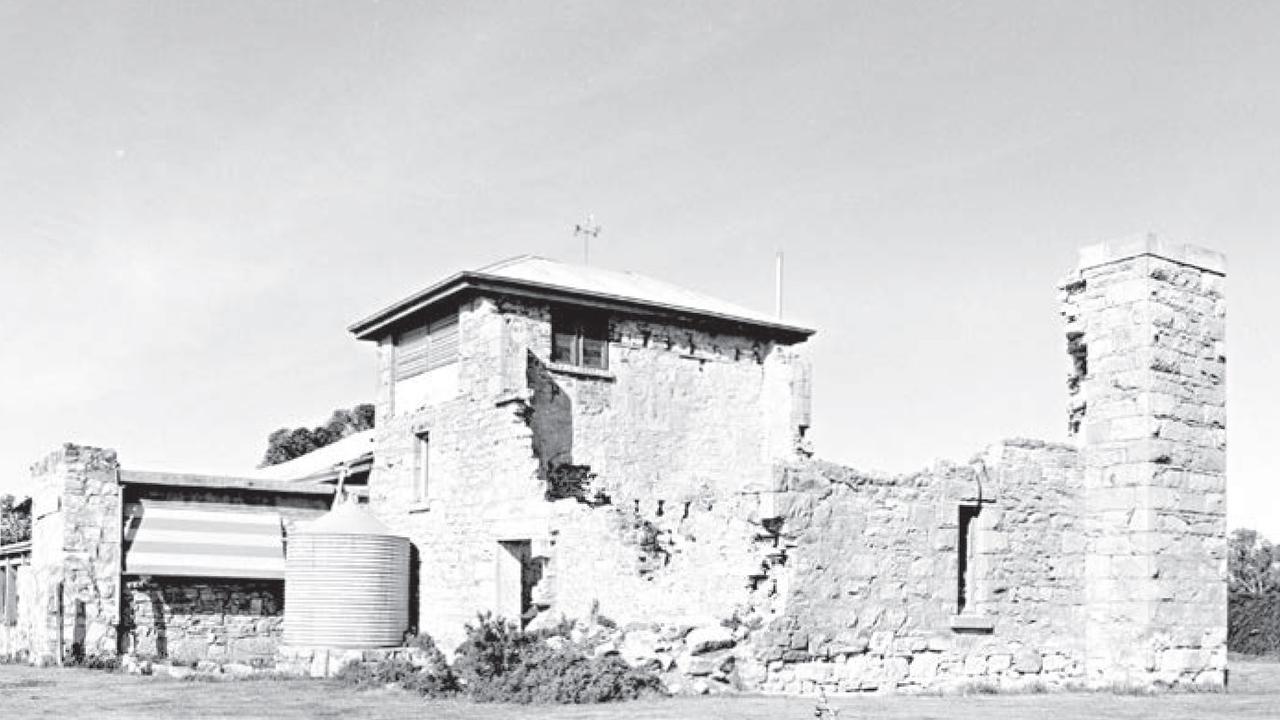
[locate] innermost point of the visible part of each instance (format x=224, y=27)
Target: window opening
x=421, y=466
x=964, y=551
x=580, y=339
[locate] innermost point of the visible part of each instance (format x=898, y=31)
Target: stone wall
x=214, y=619
x=1145, y=326
x=862, y=592
x=680, y=411
x=72, y=604
x=675, y=488
x=483, y=486
x=15, y=639
x=683, y=420
x=73, y=607
x=192, y=619
x=678, y=439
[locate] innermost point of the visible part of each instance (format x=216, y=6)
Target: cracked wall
x=676, y=489
x=864, y=594
x=633, y=485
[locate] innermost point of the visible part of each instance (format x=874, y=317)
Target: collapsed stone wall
x=193, y=619
x=680, y=411
x=683, y=420
x=676, y=441
x=649, y=491
x=690, y=563
x=843, y=581
x=864, y=592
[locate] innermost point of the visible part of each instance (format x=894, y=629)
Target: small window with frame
x=580, y=338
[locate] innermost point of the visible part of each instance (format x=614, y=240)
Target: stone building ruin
x=566, y=442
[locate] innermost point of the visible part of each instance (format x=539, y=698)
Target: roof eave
x=367, y=329
x=371, y=327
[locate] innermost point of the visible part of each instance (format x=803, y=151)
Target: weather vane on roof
x=587, y=231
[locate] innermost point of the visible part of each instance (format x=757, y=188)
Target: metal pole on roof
x=777, y=286
x=587, y=230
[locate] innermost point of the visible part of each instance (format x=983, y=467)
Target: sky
x=196, y=198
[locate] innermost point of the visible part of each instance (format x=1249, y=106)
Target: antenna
x=777, y=287
x=587, y=231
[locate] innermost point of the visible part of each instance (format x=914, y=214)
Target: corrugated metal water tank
x=346, y=582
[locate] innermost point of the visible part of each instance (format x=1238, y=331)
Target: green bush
x=499, y=662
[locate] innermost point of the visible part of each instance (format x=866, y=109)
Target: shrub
x=429, y=674
x=77, y=657
x=493, y=647
x=14, y=658
x=1253, y=625
x=375, y=674
x=431, y=681
x=499, y=662
x=1253, y=608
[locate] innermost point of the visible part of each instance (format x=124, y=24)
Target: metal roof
x=354, y=450
x=539, y=277
x=220, y=482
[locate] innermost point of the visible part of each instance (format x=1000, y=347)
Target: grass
x=62, y=693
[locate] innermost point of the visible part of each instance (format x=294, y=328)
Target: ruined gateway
x=559, y=441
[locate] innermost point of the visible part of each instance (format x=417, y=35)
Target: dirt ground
x=68, y=693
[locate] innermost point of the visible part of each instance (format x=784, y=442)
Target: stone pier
x=1145, y=330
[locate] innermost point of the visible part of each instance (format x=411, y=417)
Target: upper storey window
x=427, y=347
x=579, y=338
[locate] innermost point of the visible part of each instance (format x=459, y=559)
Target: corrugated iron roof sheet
x=574, y=281
x=632, y=286
x=350, y=450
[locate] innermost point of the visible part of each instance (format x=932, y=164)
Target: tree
x=1252, y=562
x=288, y=443
x=1253, y=592
x=15, y=520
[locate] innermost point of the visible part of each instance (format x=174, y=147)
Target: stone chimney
x=1145, y=328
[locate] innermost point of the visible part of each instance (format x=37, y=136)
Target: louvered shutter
x=411, y=353
x=443, y=347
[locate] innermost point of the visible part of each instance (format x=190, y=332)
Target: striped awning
x=202, y=540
